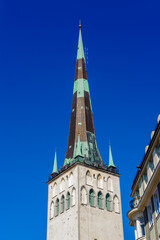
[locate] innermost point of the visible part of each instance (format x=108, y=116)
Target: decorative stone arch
x=55, y=189
x=62, y=185
x=100, y=200
x=73, y=197
x=70, y=182
x=116, y=206
x=108, y=200
x=91, y=197
x=89, y=178
x=62, y=204
x=52, y=210
x=83, y=195
x=109, y=184
x=99, y=181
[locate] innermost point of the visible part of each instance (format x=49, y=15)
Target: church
x=84, y=198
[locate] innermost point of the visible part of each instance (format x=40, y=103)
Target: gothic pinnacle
x=55, y=170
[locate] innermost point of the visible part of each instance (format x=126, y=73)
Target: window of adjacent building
x=62, y=203
x=142, y=229
x=83, y=195
x=156, y=156
x=68, y=200
x=156, y=203
x=99, y=181
x=150, y=212
x=116, y=204
x=99, y=199
x=149, y=171
x=108, y=202
x=139, y=228
x=109, y=184
x=91, y=198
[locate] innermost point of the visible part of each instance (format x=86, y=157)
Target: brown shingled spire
x=82, y=133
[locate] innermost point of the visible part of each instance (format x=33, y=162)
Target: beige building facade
x=84, y=203
x=145, y=205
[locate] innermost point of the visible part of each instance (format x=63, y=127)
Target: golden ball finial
x=109, y=142
x=80, y=24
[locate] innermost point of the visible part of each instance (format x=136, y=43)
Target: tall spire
x=55, y=170
x=111, y=164
x=81, y=123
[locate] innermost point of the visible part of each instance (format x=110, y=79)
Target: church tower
x=84, y=200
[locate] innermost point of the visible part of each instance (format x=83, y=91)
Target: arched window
x=99, y=181
x=57, y=207
x=110, y=184
x=108, y=202
x=62, y=203
x=54, y=189
x=88, y=178
x=83, y=195
x=62, y=185
x=52, y=210
x=91, y=198
x=116, y=204
x=99, y=199
x=73, y=196
x=70, y=179
x=68, y=200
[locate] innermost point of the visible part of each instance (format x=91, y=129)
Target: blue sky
x=38, y=45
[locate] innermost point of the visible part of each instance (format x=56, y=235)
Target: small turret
x=111, y=165
x=55, y=170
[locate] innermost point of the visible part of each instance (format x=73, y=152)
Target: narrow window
x=91, y=198
x=108, y=202
x=99, y=200
x=57, y=207
x=62, y=204
x=68, y=198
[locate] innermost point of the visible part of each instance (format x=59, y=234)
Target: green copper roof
x=55, y=170
x=111, y=164
x=80, y=52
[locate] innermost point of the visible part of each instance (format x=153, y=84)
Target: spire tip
x=80, y=25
